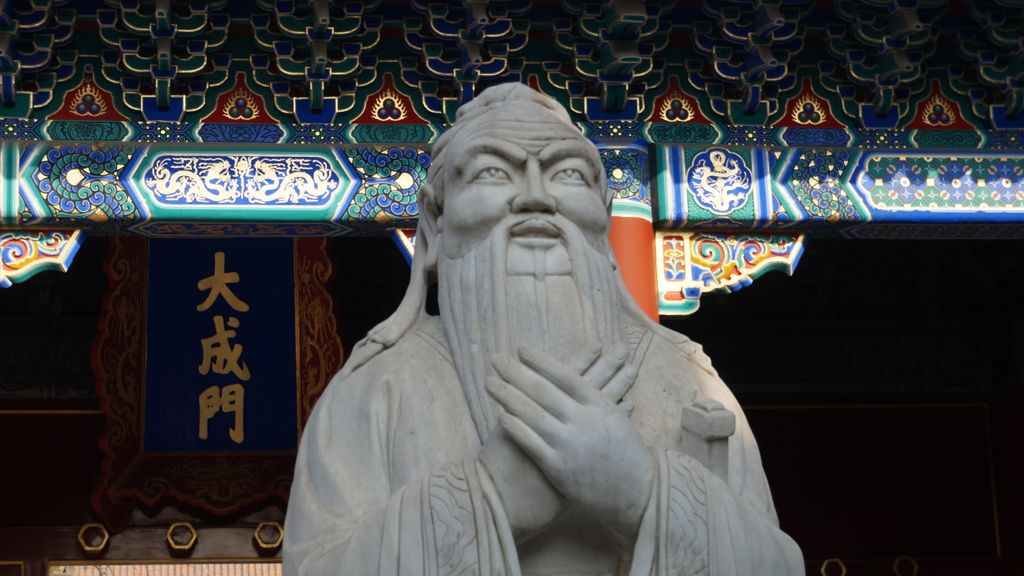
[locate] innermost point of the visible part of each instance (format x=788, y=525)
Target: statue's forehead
x=530, y=134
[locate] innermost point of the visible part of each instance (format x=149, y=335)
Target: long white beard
x=557, y=307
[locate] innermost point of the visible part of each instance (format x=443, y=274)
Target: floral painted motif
x=750, y=136
x=624, y=171
x=808, y=111
x=317, y=134
x=19, y=128
x=164, y=132
x=388, y=107
x=87, y=102
x=904, y=180
x=1007, y=139
x=877, y=138
x=612, y=129
x=676, y=109
x=938, y=112
x=984, y=184
x=956, y=181
x=241, y=106
x=224, y=132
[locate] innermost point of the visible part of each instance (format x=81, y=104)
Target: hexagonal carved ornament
x=181, y=538
x=93, y=538
x=268, y=537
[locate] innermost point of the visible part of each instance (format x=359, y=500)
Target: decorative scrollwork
x=391, y=179
x=25, y=253
x=79, y=182
x=694, y=263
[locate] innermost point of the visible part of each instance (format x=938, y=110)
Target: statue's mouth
x=536, y=248
x=535, y=228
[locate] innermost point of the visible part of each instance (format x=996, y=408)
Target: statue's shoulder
x=652, y=341
x=420, y=353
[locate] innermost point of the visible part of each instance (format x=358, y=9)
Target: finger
x=586, y=358
x=629, y=406
x=620, y=383
x=607, y=365
x=546, y=394
x=531, y=442
x=557, y=373
x=519, y=405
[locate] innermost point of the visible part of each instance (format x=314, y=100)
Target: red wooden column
x=633, y=241
x=632, y=229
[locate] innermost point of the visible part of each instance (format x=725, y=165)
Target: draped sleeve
x=386, y=481
x=697, y=524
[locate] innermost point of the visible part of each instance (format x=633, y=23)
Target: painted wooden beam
x=841, y=191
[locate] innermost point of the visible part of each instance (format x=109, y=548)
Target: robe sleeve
x=357, y=508
x=697, y=524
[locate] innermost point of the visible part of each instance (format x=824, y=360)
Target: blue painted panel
x=250, y=370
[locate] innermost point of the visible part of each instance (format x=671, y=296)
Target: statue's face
x=535, y=175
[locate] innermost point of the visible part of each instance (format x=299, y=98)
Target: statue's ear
x=430, y=226
x=609, y=196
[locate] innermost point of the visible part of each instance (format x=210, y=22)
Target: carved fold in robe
x=387, y=482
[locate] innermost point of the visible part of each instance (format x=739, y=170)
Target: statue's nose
x=533, y=201
x=534, y=198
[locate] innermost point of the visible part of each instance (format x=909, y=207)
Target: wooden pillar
x=633, y=241
x=632, y=228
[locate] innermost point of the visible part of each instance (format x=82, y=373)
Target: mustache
x=539, y=223
x=536, y=226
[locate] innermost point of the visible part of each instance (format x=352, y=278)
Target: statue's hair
x=512, y=97
x=510, y=94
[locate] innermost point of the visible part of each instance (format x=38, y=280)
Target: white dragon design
x=290, y=180
x=193, y=179
x=720, y=182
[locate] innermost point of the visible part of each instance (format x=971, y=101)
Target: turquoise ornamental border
x=218, y=189
x=171, y=189
x=836, y=190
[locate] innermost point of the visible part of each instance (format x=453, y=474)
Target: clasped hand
x=569, y=421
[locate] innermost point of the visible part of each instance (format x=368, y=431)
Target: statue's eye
x=570, y=175
x=492, y=174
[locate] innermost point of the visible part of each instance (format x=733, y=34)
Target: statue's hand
x=529, y=499
x=578, y=435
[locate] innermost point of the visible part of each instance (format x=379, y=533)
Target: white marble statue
x=540, y=424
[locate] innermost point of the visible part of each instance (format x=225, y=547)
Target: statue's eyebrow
x=562, y=149
x=512, y=153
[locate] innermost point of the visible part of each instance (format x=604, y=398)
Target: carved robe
x=387, y=482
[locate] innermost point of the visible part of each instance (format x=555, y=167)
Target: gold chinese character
x=230, y=399
x=217, y=284
x=220, y=355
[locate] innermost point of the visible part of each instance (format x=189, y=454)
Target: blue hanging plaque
x=220, y=349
